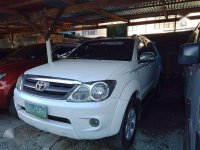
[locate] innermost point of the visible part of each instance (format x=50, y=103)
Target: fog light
x=94, y=122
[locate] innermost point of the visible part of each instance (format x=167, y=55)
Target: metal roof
x=40, y=15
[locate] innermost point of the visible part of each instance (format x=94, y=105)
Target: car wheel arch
x=132, y=88
x=119, y=114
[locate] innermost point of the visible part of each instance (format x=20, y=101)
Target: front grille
x=57, y=88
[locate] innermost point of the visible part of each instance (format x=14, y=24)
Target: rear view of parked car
x=21, y=60
x=97, y=92
x=189, y=57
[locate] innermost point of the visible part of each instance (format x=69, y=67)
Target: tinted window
x=33, y=51
x=105, y=50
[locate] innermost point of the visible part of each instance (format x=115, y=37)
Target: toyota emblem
x=41, y=86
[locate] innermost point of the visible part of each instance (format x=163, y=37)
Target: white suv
x=96, y=92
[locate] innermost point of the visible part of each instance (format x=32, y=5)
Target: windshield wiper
x=72, y=58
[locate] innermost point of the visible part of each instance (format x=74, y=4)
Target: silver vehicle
x=189, y=56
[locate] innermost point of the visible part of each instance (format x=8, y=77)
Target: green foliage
x=117, y=30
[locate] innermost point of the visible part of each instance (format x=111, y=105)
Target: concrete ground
x=161, y=128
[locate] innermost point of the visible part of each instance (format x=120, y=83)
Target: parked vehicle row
x=12, y=66
x=97, y=91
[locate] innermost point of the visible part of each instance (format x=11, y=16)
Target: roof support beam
x=49, y=31
x=33, y=25
x=7, y=10
x=134, y=23
x=152, y=14
x=110, y=15
x=97, y=4
x=146, y=15
x=29, y=2
x=52, y=26
x=164, y=9
x=100, y=12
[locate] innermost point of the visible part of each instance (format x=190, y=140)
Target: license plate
x=38, y=110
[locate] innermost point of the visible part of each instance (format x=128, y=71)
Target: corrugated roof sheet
x=49, y=8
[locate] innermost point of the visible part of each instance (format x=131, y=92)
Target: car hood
x=81, y=70
x=8, y=65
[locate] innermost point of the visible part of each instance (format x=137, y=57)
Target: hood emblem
x=41, y=86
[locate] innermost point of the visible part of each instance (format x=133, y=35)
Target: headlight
x=19, y=83
x=99, y=91
x=93, y=91
x=2, y=75
x=82, y=94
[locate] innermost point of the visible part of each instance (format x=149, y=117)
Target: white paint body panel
x=81, y=70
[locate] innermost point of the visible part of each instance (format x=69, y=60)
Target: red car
x=21, y=60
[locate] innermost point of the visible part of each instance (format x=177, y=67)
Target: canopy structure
x=49, y=16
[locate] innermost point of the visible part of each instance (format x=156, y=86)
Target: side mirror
x=146, y=57
x=189, y=54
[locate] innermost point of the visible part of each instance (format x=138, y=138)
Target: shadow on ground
x=162, y=122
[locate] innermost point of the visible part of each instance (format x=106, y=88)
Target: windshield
x=120, y=49
x=32, y=51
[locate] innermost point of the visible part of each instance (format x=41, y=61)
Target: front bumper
x=79, y=115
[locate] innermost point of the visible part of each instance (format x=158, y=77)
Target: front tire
x=125, y=138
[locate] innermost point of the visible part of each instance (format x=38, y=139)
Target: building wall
x=184, y=24
x=92, y=33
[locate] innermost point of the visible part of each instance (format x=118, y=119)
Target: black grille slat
x=54, y=90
